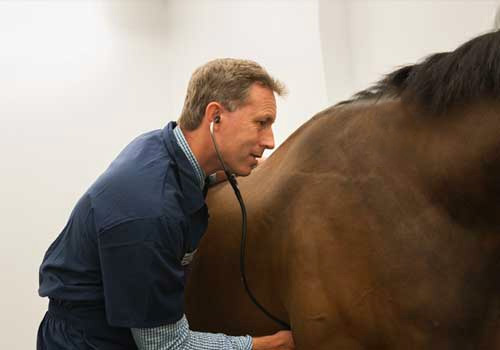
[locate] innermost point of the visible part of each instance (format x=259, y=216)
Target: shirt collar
x=188, y=180
x=183, y=144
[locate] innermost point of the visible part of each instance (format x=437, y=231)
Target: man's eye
x=262, y=122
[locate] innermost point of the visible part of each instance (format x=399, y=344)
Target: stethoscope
x=232, y=180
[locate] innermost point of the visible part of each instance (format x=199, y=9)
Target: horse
x=376, y=224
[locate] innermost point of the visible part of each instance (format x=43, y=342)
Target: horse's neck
x=459, y=157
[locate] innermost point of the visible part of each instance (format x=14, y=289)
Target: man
x=115, y=274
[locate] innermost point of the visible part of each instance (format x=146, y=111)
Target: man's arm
x=178, y=336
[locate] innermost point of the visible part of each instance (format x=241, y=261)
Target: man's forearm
x=178, y=336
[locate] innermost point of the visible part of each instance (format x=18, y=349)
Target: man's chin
x=243, y=172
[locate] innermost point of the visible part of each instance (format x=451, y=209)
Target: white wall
x=364, y=39
x=393, y=33
x=79, y=79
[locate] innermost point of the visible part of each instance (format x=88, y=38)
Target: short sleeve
x=142, y=275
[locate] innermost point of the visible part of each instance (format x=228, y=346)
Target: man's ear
x=212, y=111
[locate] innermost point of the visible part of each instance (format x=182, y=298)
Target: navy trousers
x=80, y=325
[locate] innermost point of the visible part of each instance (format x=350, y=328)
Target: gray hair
x=226, y=81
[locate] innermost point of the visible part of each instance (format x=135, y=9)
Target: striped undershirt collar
x=181, y=141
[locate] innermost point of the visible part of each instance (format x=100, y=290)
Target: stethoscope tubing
x=232, y=180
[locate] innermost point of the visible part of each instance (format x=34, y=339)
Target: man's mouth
x=256, y=155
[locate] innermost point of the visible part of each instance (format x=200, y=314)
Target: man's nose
x=268, y=139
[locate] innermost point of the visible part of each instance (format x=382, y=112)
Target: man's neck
x=201, y=145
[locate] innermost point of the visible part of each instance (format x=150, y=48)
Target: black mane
x=446, y=79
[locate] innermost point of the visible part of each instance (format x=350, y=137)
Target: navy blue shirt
x=126, y=236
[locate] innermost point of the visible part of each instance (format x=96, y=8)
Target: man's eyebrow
x=268, y=117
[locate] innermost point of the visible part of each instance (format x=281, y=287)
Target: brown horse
x=376, y=225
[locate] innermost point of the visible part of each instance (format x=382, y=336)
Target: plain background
x=79, y=79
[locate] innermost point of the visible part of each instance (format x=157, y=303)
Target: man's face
x=246, y=132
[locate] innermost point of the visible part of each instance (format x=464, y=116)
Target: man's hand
x=281, y=340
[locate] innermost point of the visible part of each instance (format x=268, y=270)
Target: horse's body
x=376, y=225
